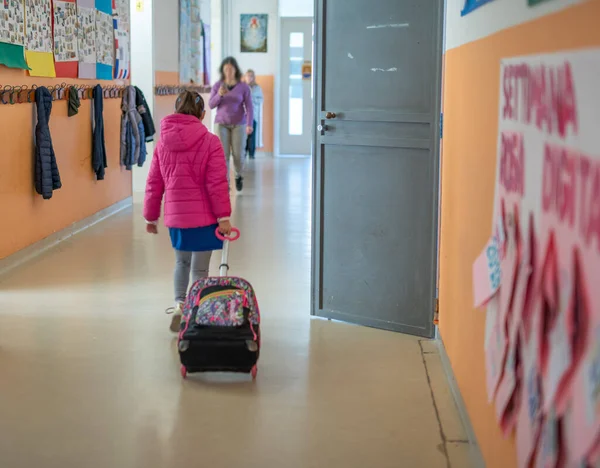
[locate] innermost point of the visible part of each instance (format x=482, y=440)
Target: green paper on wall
x=536, y=2
x=13, y=56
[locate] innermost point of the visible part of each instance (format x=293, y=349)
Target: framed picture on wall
x=253, y=33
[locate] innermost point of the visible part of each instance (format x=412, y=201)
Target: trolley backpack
x=220, y=328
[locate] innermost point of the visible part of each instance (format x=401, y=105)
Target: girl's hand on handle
x=151, y=228
x=225, y=227
x=249, y=130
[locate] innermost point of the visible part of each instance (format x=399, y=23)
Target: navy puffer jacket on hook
x=98, y=146
x=47, y=177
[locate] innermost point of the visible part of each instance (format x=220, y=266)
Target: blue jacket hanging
x=47, y=177
x=98, y=147
x=133, y=139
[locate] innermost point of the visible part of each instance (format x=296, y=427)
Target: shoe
x=177, y=313
x=239, y=183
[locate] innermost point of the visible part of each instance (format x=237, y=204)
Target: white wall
x=263, y=64
x=166, y=35
x=296, y=8
x=493, y=17
x=142, y=70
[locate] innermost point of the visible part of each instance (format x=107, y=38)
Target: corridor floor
x=89, y=376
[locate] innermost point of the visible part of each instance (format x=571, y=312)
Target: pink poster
x=547, y=213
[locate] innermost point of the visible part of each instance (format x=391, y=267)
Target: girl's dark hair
x=190, y=103
x=233, y=62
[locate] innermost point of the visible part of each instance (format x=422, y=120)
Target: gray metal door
x=377, y=134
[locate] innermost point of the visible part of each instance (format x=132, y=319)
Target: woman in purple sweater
x=233, y=100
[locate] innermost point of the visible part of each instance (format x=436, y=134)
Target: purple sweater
x=235, y=108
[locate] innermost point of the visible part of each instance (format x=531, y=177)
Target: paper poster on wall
x=38, y=38
x=253, y=33
x=105, y=40
x=472, y=5
x=191, y=43
x=12, y=34
x=547, y=205
x=121, y=26
x=206, y=53
x=197, y=48
x=66, y=55
x=86, y=38
x=185, y=41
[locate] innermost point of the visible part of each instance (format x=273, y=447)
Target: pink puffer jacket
x=189, y=168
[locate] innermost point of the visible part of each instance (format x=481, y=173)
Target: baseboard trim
x=33, y=250
x=477, y=460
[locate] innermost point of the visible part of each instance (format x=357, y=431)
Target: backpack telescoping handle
x=235, y=235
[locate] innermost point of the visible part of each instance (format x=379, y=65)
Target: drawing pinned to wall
x=122, y=54
x=12, y=22
x=185, y=41
x=105, y=40
x=546, y=253
x=86, y=38
x=253, y=33
x=471, y=5
x=38, y=38
x=191, y=48
x=206, y=54
x=39, y=26
x=12, y=34
x=121, y=30
x=65, y=39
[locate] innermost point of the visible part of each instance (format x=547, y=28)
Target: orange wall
x=164, y=105
x=267, y=83
x=471, y=93
x=26, y=217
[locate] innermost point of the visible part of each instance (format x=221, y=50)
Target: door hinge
x=441, y=125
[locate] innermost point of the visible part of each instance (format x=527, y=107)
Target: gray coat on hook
x=47, y=177
x=133, y=140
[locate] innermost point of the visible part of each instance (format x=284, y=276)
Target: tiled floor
x=89, y=376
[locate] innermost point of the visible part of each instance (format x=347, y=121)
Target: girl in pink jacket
x=189, y=169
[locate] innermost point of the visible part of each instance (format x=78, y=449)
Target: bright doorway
x=295, y=123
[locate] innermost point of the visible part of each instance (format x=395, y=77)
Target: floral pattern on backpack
x=222, y=308
x=238, y=283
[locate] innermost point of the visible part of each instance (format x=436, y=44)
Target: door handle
x=330, y=115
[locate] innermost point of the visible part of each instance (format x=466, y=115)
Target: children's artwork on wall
x=38, y=38
x=185, y=41
x=86, y=38
x=253, y=33
x=12, y=34
x=122, y=43
x=12, y=22
x=66, y=55
x=191, y=49
x=471, y=5
x=105, y=41
x=206, y=54
x=548, y=183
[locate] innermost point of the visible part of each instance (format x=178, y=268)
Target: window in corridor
x=296, y=86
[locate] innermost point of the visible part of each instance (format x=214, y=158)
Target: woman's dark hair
x=233, y=62
x=190, y=103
